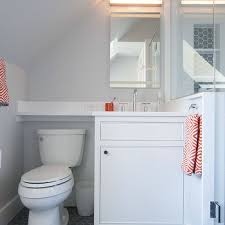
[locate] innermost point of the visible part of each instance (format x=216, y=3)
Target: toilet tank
x=63, y=147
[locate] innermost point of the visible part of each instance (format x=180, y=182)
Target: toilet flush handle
x=41, y=139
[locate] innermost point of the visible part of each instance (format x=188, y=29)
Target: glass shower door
x=193, y=47
x=198, y=65
x=219, y=44
x=219, y=88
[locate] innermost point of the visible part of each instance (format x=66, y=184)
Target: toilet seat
x=46, y=181
x=45, y=184
x=46, y=192
x=46, y=176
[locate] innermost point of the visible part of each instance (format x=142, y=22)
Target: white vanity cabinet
x=138, y=176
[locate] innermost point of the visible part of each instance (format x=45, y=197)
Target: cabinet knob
x=106, y=152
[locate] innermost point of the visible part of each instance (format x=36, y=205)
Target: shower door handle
x=219, y=212
x=215, y=211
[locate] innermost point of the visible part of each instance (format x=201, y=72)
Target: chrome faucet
x=134, y=99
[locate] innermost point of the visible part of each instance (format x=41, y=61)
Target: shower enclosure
x=198, y=43
x=197, y=59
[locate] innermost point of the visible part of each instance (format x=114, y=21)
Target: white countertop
x=66, y=109
x=30, y=109
x=138, y=114
x=105, y=114
x=56, y=113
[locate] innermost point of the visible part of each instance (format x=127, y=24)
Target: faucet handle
x=123, y=106
x=147, y=106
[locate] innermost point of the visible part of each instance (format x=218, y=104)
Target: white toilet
x=44, y=189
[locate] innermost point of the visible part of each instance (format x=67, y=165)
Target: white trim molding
x=9, y=210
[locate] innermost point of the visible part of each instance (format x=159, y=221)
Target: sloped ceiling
x=29, y=27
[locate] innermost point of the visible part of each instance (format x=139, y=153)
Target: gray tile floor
x=75, y=219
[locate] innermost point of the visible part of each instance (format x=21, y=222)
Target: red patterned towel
x=198, y=166
x=191, y=144
x=4, y=97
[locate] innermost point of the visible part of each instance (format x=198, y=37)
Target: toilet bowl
x=43, y=191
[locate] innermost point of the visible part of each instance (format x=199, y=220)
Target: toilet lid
x=47, y=174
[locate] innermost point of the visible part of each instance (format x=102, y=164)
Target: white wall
x=199, y=191
x=77, y=68
x=193, y=185
x=11, y=141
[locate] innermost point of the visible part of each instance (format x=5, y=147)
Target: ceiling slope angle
x=29, y=27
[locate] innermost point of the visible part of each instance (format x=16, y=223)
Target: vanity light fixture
x=202, y=2
x=135, y=2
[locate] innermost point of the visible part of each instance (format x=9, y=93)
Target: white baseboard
x=9, y=211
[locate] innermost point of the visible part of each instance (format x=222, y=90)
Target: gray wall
x=77, y=68
x=11, y=137
x=31, y=151
x=32, y=155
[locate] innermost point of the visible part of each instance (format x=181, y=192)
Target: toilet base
x=65, y=216
x=44, y=207
x=49, y=217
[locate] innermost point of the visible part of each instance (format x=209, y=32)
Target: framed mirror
x=135, y=50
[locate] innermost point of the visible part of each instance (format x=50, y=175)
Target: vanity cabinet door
x=141, y=185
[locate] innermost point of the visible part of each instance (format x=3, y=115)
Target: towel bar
x=193, y=106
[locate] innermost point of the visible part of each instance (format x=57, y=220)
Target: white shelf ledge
x=32, y=108
x=75, y=111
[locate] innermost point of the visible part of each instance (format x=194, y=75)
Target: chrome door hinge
x=215, y=211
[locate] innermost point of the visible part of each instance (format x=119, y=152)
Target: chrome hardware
x=193, y=106
x=147, y=106
x=123, y=106
x=213, y=211
x=134, y=100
